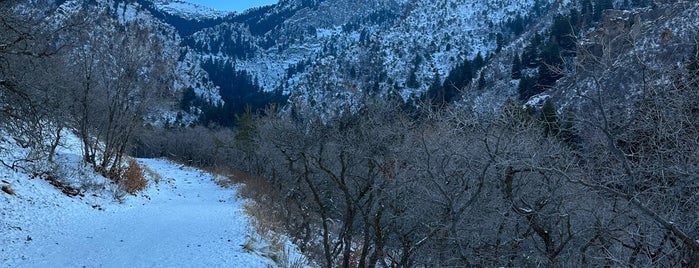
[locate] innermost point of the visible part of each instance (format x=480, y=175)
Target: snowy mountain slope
x=185, y=71
x=185, y=219
x=642, y=47
x=333, y=52
x=189, y=10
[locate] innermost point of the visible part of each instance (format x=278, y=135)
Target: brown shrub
x=254, y=187
x=134, y=180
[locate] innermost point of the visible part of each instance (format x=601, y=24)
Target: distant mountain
x=326, y=56
x=189, y=10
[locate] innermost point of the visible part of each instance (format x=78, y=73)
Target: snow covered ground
x=185, y=220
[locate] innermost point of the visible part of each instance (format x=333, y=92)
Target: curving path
x=184, y=221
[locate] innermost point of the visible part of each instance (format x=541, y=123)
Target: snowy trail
x=189, y=221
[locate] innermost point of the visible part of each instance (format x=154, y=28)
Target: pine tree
x=516, y=67
x=563, y=31
x=412, y=80
x=246, y=129
x=460, y=76
x=500, y=42
x=568, y=132
x=530, y=56
x=412, y=77
x=481, y=81
x=527, y=88
x=549, y=117
x=550, y=63
x=188, y=98
x=478, y=61
x=517, y=25
x=586, y=12
x=439, y=94
x=600, y=7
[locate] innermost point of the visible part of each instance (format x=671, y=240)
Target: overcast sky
x=233, y=5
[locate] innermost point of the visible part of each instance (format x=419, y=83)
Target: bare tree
x=638, y=153
x=32, y=109
x=119, y=79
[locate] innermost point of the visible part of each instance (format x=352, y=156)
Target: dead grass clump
x=134, y=179
x=224, y=181
x=265, y=223
x=253, y=187
x=151, y=173
x=267, y=226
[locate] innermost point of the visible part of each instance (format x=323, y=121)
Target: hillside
x=325, y=57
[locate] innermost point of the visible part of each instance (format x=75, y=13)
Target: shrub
x=134, y=180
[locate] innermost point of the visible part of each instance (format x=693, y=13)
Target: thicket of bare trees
x=118, y=81
x=85, y=72
x=602, y=185
x=607, y=184
x=28, y=51
x=447, y=190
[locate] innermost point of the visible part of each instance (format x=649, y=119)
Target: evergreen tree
x=600, y=7
x=586, y=12
x=412, y=80
x=245, y=126
x=527, y=88
x=641, y=3
x=500, y=42
x=516, y=67
x=551, y=63
x=517, y=25
x=412, y=77
x=459, y=77
x=530, y=56
x=481, y=81
x=568, y=133
x=466, y=69
x=188, y=99
x=562, y=129
x=514, y=113
x=549, y=118
x=439, y=94
x=478, y=61
x=563, y=31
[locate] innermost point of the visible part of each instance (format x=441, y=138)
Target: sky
x=233, y=5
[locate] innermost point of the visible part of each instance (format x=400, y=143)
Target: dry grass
x=152, y=174
x=224, y=181
x=252, y=187
x=269, y=229
x=265, y=222
x=134, y=179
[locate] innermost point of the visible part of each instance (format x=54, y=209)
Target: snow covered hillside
x=189, y=10
x=183, y=219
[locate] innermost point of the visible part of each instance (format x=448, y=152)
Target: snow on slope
x=189, y=10
x=185, y=220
